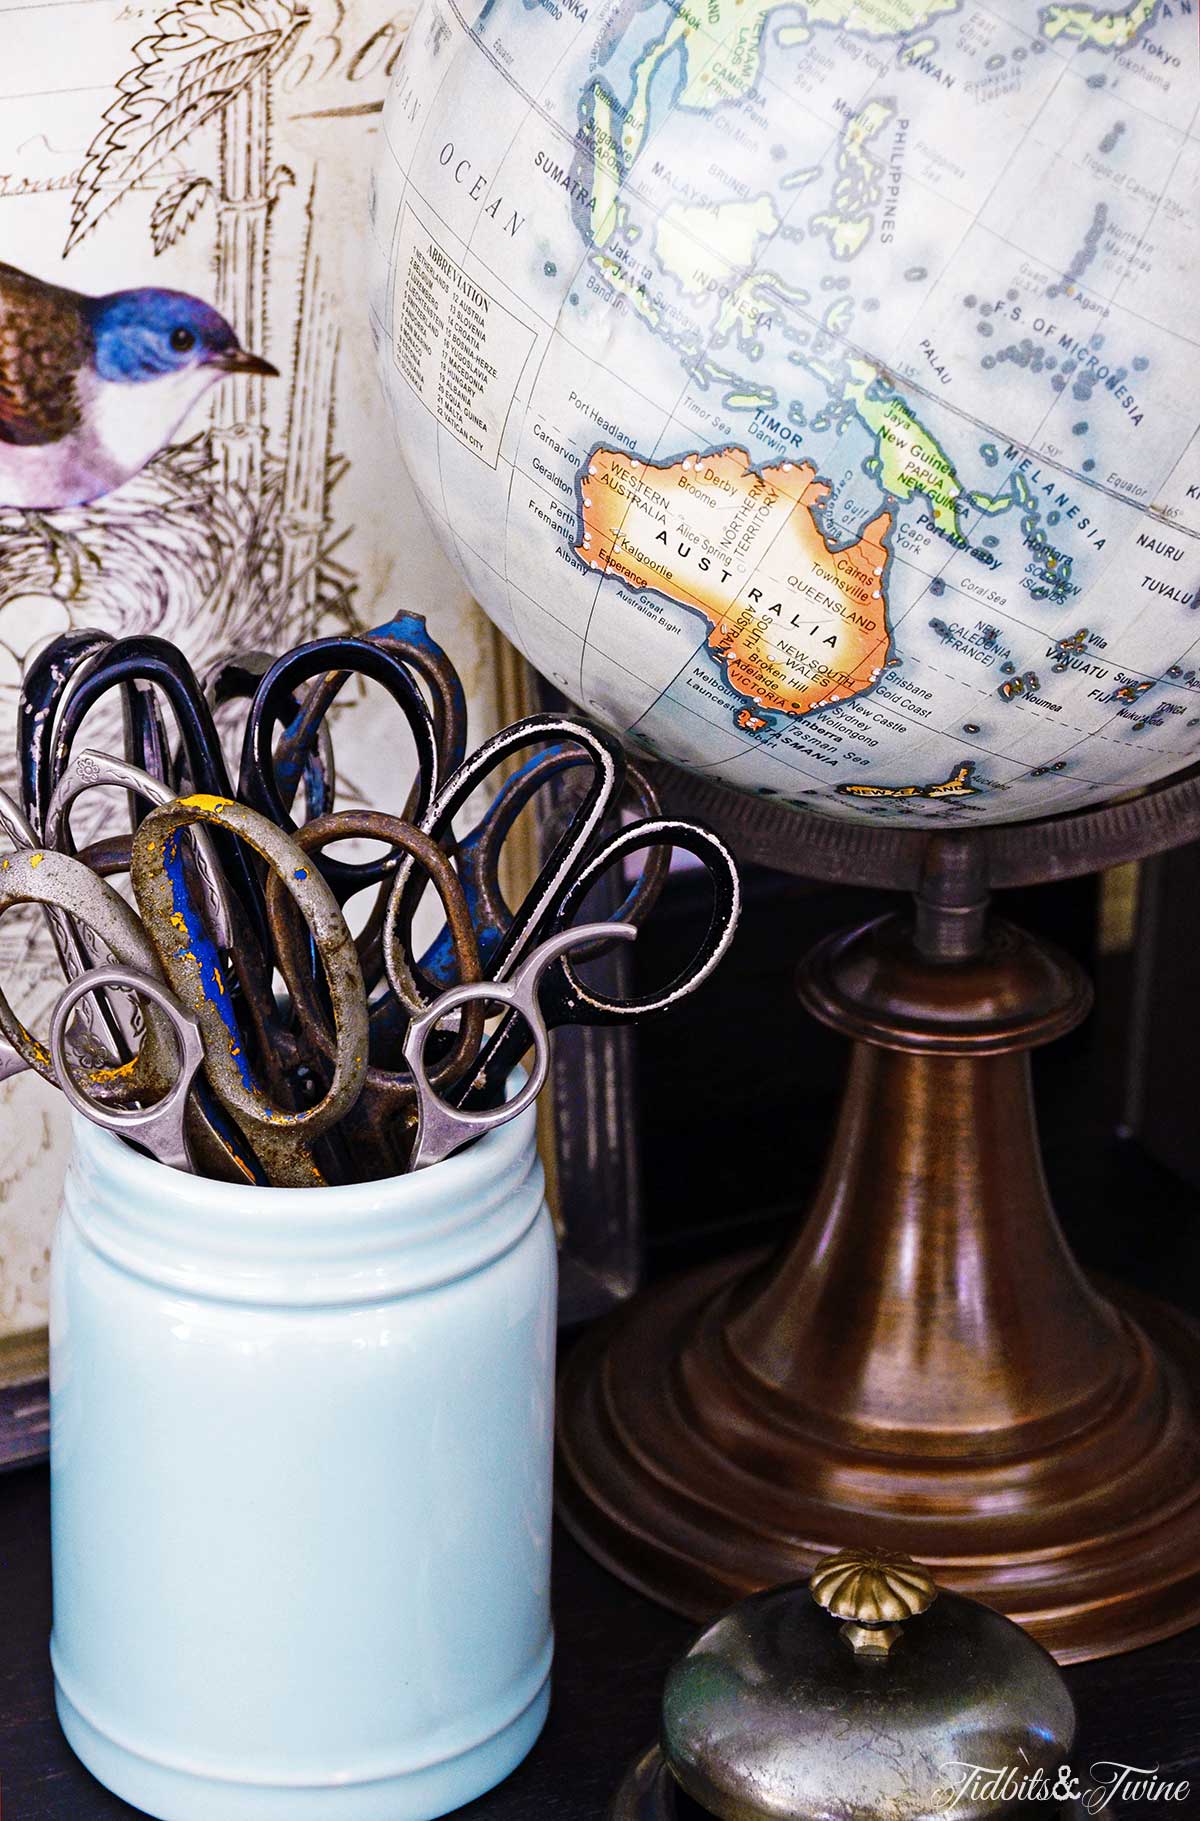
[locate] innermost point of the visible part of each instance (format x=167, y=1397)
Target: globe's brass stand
x=925, y=1367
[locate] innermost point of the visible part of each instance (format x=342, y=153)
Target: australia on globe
x=811, y=391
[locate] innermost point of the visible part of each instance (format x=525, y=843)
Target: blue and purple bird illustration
x=92, y=387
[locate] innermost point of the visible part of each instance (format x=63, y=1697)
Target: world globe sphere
x=810, y=390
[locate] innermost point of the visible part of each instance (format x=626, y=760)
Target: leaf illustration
x=282, y=178
x=201, y=54
x=176, y=209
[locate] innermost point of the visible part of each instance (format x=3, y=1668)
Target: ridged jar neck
x=347, y=1244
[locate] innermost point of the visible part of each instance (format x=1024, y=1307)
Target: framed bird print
x=192, y=440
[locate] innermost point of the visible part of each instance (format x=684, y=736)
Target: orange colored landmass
x=958, y=784
x=797, y=625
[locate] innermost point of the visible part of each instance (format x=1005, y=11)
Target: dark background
x=740, y=1058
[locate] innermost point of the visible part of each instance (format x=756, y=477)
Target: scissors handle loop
x=374, y=825
x=257, y=779
x=93, y=770
x=408, y=639
x=570, y=1000
x=579, y=1001
x=442, y=1128
x=478, y=854
x=597, y=749
x=235, y=679
x=43, y=687
x=44, y=877
x=160, y=1128
x=147, y=659
x=281, y=1137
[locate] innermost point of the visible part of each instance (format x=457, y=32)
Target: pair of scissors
x=603, y=763
x=408, y=638
x=378, y=1126
x=235, y=679
x=162, y=1127
x=281, y=1137
x=574, y=869
x=443, y=1128
x=479, y=854
x=259, y=783
x=44, y=877
x=506, y=936
x=564, y=997
x=152, y=664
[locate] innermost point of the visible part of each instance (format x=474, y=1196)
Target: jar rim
x=341, y=1244
x=465, y=1173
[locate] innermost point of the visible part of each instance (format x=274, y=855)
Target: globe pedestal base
x=925, y=1368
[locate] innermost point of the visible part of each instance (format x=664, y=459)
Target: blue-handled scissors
x=259, y=783
x=282, y=1137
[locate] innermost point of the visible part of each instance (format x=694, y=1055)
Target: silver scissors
x=93, y=770
x=160, y=1128
x=442, y=1128
x=44, y=877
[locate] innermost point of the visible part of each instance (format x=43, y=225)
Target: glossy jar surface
x=301, y=1465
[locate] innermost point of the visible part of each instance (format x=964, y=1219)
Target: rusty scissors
x=282, y=1137
x=233, y=1122
x=57, y=882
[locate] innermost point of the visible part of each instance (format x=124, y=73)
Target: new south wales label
x=457, y=346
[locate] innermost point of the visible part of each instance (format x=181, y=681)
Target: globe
x=809, y=388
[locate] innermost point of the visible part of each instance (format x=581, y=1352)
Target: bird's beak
x=240, y=360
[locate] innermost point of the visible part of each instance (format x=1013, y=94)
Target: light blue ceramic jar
x=301, y=1458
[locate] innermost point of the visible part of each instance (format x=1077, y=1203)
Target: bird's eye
x=182, y=340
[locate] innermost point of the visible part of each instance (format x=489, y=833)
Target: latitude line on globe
x=992, y=431
x=831, y=387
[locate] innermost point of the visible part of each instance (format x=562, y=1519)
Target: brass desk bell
x=898, y=1713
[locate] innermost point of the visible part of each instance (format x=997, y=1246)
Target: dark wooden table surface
x=613, y=1648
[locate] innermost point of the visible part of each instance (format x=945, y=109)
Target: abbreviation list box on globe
x=456, y=345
